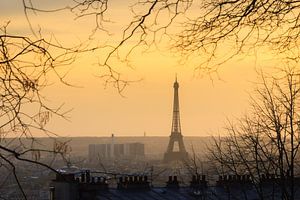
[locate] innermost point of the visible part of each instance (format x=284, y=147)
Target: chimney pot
x=82, y=176
x=121, y=179
x=170, y=179
x=130, y=179
x=175, y=179
x=194, y=179
x=140, y=179
x=220, y=178
x=135, y=179
x=88, y=176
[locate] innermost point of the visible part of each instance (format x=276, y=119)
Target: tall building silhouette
x=176, y=137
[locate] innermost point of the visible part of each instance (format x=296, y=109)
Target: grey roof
x=151, y=194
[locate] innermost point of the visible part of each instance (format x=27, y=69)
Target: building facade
x=111, y=151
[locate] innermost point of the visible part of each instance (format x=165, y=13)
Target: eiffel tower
x=175, y=137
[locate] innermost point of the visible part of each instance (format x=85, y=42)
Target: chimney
x=135, y=179
x=175, y=179
x=203, y=178
x=130, y=179
x=239, y=178
x=220, y=178
x=52, y=192
x=173, y=182
x=88, y=176
x=121, y=179
x=140, y=179
x=194, y=180
x=82, y=177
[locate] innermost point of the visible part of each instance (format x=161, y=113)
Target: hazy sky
x=205, y=103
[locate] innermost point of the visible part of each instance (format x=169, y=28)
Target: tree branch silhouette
x=25, y=67
x=265, y=141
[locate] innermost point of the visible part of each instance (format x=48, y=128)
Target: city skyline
x=111, y=99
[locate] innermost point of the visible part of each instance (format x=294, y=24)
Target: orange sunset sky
x=205, y=101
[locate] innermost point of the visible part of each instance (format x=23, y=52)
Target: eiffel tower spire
x=176, y=116
x=175, y=136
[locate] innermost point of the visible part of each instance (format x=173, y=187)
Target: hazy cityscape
x=144, y=163
x=149, y=100
x=82, y=167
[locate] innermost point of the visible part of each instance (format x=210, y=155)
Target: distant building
x=111, y=150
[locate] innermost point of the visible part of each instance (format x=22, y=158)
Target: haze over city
x=149, y=99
